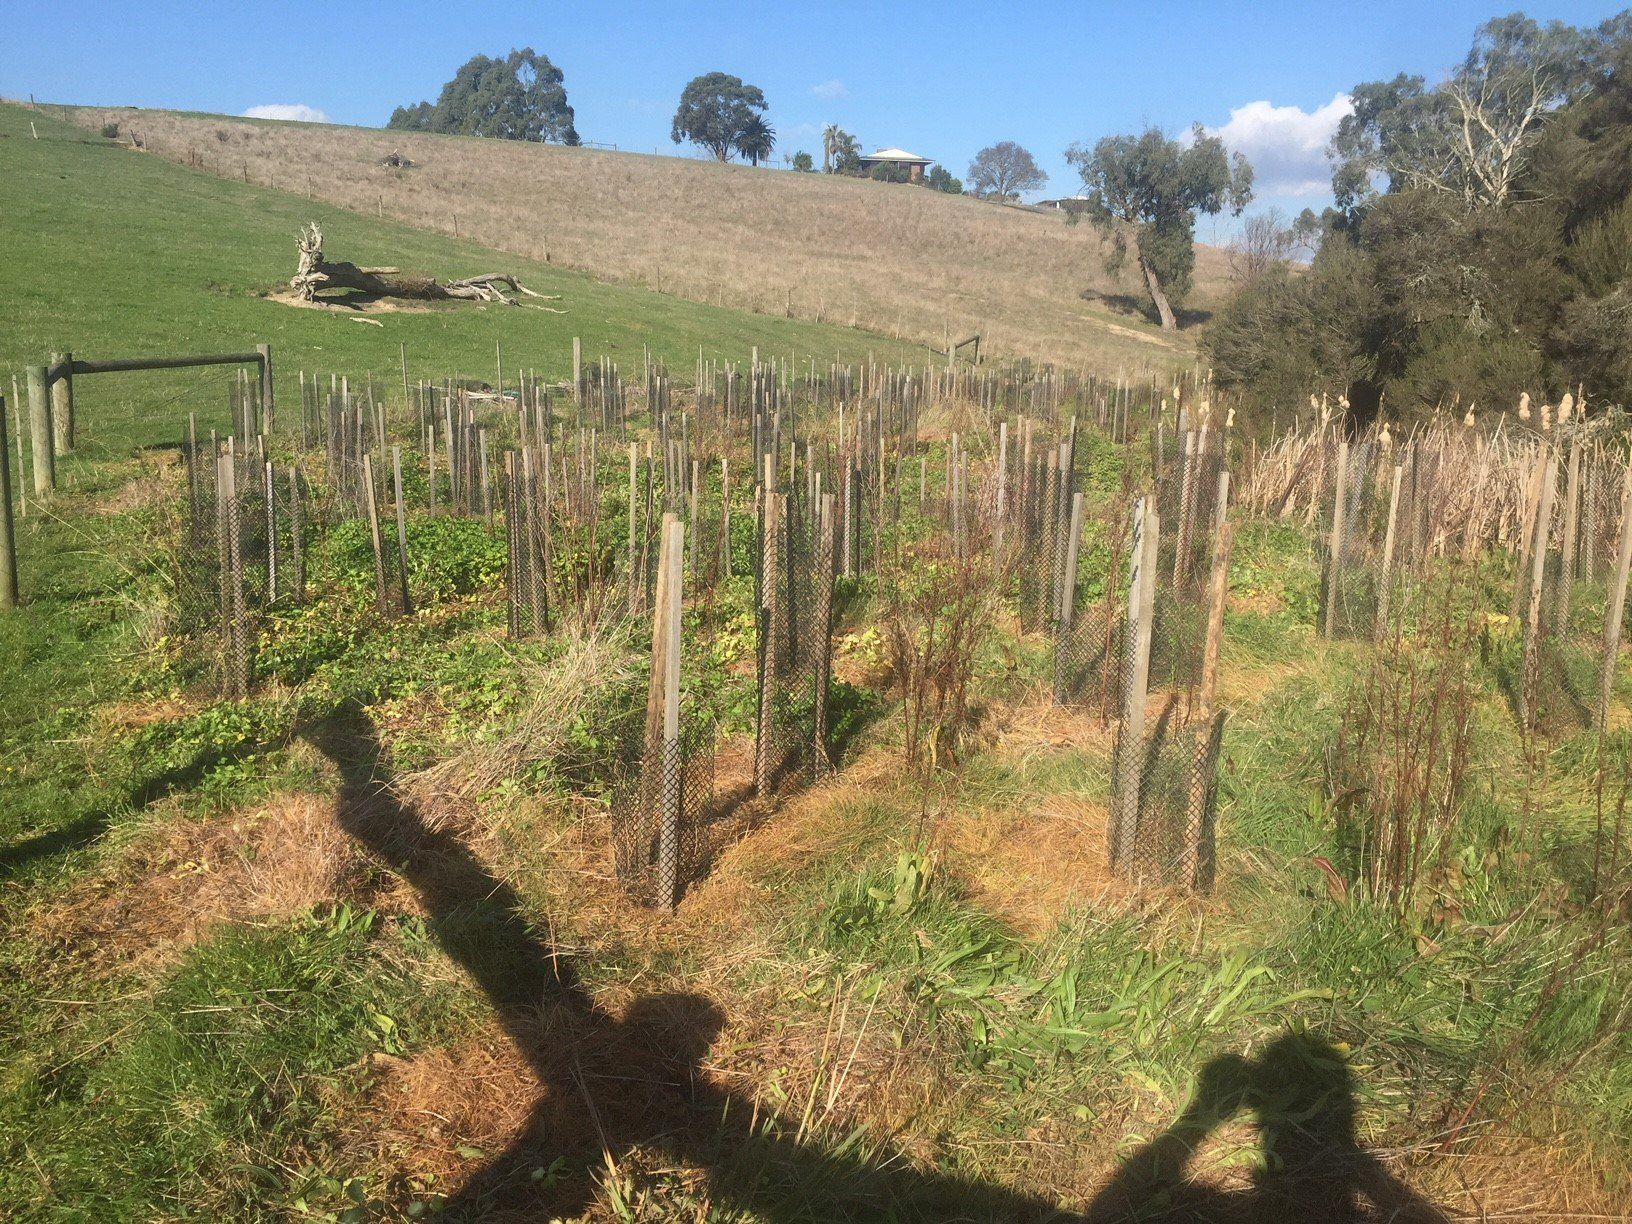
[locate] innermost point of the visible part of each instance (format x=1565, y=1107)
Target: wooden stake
x=1538, y=568
x=824, y=624
x=8, y=534
x=1617, y=604
x=1130, y=756
x=1068, y=582
x=665, y=703
x=1335, y=562
x=40, y=432
x=1218, y=589
x=769, y=590
x=372, y=506
x=1566, y=566
x=1385, y=580
x=402, y=531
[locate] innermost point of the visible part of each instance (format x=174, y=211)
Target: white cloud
x=298, y=111
x=830, y=90
x=1285, y=144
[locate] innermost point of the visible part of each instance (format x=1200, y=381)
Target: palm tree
x=756, y=139
x=830, y=143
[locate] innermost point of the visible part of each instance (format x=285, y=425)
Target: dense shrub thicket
x=1482, y=241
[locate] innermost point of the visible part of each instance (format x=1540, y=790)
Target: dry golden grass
x=904, y=261
x=177, y=880
x=1492, y=504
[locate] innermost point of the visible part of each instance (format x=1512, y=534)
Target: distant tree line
x=523, y=97
x=1481, y=242
x=520, y=97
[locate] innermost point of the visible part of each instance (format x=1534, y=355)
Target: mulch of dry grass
x=177, y=879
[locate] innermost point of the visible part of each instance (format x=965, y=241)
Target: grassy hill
x=904, y=261
x=111, y=253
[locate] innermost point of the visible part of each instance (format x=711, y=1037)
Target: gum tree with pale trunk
x=1146, y=189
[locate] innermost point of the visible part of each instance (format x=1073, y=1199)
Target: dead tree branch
x=314, y=274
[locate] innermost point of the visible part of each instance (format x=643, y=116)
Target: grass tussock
x=577, y=710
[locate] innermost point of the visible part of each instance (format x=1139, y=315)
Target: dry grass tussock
x=1031, y=868
x=561, y=691
x=904, y=261
x=1489, y=501
x=175, y=880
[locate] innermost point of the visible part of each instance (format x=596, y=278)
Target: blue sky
x=941, y=79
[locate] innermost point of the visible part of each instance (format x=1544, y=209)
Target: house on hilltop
x=897, y=159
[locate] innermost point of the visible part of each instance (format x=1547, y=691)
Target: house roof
x=896, y=155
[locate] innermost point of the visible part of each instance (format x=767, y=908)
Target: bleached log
x=314, y=274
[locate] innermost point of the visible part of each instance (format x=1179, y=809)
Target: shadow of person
x=642, y=1083
x=1300, y=1092
x=143, y=793
x=610, y=1085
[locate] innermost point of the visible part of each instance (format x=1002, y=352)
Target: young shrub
x=1397, y=770
x=937, y=612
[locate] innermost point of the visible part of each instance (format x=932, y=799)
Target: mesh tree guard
x=241, y=550
x=1173, y=841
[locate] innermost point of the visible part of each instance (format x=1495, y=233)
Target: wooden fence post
x=1617, y=604
x=17, y=442
x=268, y=415
x=1130, y=755
x=1198, y=856
x=39, y=428
x=8, y=534
x=1068, y=579
x=62, y=400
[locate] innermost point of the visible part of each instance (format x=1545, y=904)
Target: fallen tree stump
x=315, y=274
